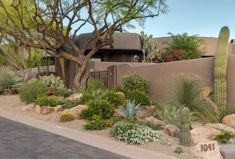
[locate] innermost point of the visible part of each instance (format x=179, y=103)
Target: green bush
x=90, y=95
x=67, y=104
x=138, y=97
x=179, y=150
x=98, y=124
x=224, y=137
x=9, y=81
x=32, y=90
x=98, y=109
x=48, y=101
x=189, y=45
x=55, y=84
x=187, y=92
x=94, y=84
x=135, y=134
x=65, y=92
x=136, y=82
x=115, y=98
x=65, y=117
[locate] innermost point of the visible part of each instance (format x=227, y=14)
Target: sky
x=201, y=17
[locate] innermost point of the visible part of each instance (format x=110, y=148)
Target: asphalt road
x=19, y=141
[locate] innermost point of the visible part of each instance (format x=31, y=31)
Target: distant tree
x=54, y=24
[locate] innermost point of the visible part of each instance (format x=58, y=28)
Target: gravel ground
x=165, y=145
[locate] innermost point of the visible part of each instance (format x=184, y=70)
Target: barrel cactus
x=184, y=125
x=54, y=84
x=220, y=70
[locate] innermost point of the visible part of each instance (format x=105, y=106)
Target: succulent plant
x=54, y=84
x=130, y=111
x=220, y=70
x=185, y=135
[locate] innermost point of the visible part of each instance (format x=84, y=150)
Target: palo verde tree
x=53, y=24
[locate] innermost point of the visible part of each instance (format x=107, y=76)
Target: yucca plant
x=130, y=110
x=186, y=92
x=9, y=80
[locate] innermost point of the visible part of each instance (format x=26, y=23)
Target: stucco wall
x=161, y=75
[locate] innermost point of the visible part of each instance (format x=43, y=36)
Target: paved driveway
x=19, y=141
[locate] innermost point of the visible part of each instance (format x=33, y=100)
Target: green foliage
x=185, y=124
x=9, y=81
x=136, y=82
x=130, y=110
x=220, y=70
x=190, y=45
x=65, y=92
x=48, y=101
x=135, y=134
x=35, y=59
x=90, y=95
x=94, y=84
x=138, y=97
x=67, y=104
x=65, y=117
x=54, y=84
x=98, y=109
x=115, y=98
x=224, y=137
x=179, y=150
x=32, y=90
x=187, y=89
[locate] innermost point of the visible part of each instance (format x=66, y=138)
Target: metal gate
x=100, y=75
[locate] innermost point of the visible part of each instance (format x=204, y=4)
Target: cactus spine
x=220, y=70
x=184, y=125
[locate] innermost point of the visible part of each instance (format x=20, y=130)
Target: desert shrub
x=94, y=84
x=32, y=90
x=65, y=117
x=67, y=104
x=130, y=110
x=65, y=92
x=179, y=150
x=54, y=84
x=138, y=97
x=187, y=92
x=135, y=134
x=90, y=95
x=224, y=137
x=98, y=124
x=136, y=82
x=115, y=98
x=48, y=101
x=98, y=109
x=190, y=46
x=9, y=81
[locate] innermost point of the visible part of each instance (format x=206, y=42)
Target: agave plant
x=9, y=80
x=130, y=111
x=187, y=92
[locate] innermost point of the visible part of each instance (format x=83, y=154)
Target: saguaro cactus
x=184, y=125
x=220, y=70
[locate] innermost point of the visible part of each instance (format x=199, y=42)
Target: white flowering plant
x=131, y=133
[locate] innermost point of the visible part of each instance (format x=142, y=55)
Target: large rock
x=46, y=110
x=75, y=110
x=171, y=130
x=37, y=109
x=155, y=121
x=220, y=126
x=211, y=103
x=229, y=120
x=206, y=91
x=203, y=134
x=145, y=111
x=29, y=107
x=58, y=108
x=74, y=96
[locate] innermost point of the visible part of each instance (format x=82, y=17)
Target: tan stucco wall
x=160, y=75
x=209, y=44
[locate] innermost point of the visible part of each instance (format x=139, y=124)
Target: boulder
x=171, y=130
x=229, y=120
x=58, y=108
x=211, y=103
x=203, y=134
x=46, y=110
x=155, y=121
x=74, y=96
x=220, y=126
x=145, y=111
x=75, y=110
x=29, y=107
x=206, y=91
x=37, y=109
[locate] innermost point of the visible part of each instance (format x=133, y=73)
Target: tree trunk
x=81, y=76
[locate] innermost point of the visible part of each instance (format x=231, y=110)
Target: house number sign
x=207, y=147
